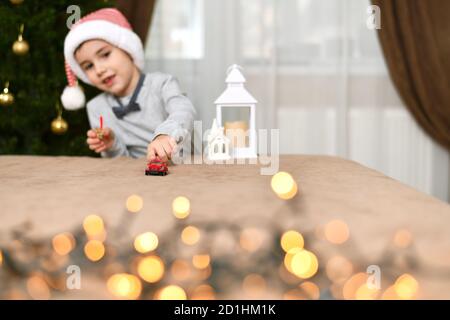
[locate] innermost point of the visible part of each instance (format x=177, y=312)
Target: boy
x=144, y=114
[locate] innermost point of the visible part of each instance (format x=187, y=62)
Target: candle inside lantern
x=237, y=132
x=101, y=122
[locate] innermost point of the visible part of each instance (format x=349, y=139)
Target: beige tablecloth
x=56, y=193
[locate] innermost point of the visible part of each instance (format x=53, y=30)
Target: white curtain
x=317, y=71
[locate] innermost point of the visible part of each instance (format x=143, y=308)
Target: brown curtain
x=415, y=38
x=139, y=13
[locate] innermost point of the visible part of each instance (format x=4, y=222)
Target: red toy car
x=156, y=168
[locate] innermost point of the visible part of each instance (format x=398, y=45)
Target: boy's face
x=109, y=68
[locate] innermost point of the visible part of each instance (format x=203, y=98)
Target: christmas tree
x=34, y=78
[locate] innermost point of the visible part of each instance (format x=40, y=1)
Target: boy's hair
x=109, y=25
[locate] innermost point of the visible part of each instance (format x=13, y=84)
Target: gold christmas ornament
x=6, y=98
x=20, y=46
x=59, y=125
x=16, y=2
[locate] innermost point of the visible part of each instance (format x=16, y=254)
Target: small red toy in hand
x=156, y=167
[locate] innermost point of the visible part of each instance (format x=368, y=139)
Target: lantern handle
x=234, y=66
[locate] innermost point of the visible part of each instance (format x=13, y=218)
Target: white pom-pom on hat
x=72, y=97
x=106, y=24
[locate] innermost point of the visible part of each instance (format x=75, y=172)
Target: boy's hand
x=162, y=146
x=101, y=142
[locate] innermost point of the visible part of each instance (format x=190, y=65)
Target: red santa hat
x=106, y=24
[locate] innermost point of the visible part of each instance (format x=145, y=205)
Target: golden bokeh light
x=406, y=287
x=291, y=239
x=287, y=276
x=37, y=288
x=134, y=203
x=310, y=289
x=353, y=284
x=124, y=286
x=146, y=242
x=364, y=292
x=293, y=294
x=93, y=225
x=284, y=185
x=390, y=294
x=304, y=264
x=180, y=269
x=403, y=238
x=1, y=258
x=171, y=292
x=190, y=235
x=201, y=261
x=94, y=250
x=288, y=258
x=63, y=243
x=203, y=274
x=290, y=194
x=151, y=269
x=203, y=292
x=254, y=285
x=181, y=207
x=339, y=269
x=251, y=239
x=337, y=232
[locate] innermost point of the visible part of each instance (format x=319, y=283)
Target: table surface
x=56, y=193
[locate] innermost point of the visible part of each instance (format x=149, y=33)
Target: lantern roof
x=235, y=93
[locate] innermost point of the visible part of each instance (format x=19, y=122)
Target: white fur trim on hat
x=115, y=34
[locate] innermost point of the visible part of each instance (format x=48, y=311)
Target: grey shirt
x=164, y=110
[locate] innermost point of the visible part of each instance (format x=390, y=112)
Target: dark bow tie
x=121, y=112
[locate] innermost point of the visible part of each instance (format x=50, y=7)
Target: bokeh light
x=181, y=207
x=201, y=261
x=146, y=242
x=352, y=285
x=288, y=258
x=406, y=287
x=1, y=258
x=203, y=292
x=151, y=269
x=171, y=292
x=291, y=239
x=190, y=235
x=180, y=269
x=251, y=239
x=134, y=203
x=337, y=232
x=339, y=269
x=63, y=243
x=310, y=289
x=93, y=225
x=390, y=294
x=124, y=286
x=364, y=292
x=254, y=285
x=37, y=288
x=304, y=264
x=403, y=238
x=284, y=185
x=94, y=250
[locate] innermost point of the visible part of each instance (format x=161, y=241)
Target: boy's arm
x=118, y=148
x=181, y=112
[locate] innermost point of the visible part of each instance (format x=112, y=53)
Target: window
x=177, y=31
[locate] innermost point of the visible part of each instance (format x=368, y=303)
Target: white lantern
x=237, y=98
